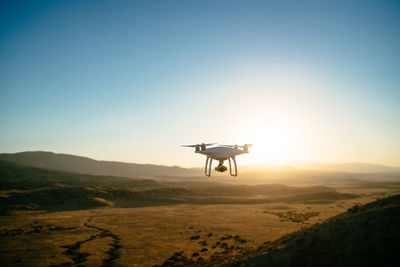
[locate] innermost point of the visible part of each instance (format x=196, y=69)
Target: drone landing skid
x=209, y=166
x=230, y=167
x=209, y=163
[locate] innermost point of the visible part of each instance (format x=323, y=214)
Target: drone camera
x=221, y=168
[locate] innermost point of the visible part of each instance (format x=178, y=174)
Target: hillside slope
x=365, y=235
x=77, y=164
x=29, y=188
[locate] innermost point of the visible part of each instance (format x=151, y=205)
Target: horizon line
x=267, y=165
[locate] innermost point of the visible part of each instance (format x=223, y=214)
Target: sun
x=274, y=141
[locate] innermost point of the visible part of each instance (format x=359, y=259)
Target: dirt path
x=79, y=257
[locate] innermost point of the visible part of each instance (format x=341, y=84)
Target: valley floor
x=148, y=236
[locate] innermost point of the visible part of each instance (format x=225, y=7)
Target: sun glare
x=275, y=141
x=275, y=122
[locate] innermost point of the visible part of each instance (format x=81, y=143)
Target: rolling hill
x=366, y=235
x=31, y=188
x=77, y=164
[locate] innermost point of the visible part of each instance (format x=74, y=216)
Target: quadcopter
x=220, y=153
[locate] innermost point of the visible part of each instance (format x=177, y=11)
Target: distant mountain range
x=84, y=165
x=77, y=164
x=354, y=167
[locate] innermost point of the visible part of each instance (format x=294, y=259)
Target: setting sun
x=276, y=138
x=272, y=143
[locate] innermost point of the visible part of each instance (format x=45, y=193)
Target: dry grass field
x=51, y=218
x=147, y=236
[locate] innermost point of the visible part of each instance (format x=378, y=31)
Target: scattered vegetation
x=35, y=227
x=194, y=237
x=348, y=239
x=293, y=216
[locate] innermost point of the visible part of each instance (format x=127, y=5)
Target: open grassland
x=52, y=218
x=148, y=236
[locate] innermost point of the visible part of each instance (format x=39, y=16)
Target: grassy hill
x=366, y=235
x=183, y=176
x=77, y=164
x=15, y=176
x=29, y=188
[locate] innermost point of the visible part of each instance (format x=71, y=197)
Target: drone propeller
x=248, y=145
x=198, y=145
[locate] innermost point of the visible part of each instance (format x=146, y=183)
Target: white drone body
x=220, y=153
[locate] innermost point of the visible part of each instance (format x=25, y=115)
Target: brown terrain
x=58, y=218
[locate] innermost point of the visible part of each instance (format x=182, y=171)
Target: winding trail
x=78, y=257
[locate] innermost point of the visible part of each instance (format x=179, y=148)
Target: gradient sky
x=133, y=80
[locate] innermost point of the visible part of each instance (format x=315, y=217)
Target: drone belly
x=221, y=153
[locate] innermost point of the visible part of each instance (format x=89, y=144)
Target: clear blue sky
x=132, y=80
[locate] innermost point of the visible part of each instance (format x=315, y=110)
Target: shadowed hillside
x=365, y=235
x=28, y=188
x=77, y=164
x=289, y=176
x=15, y=176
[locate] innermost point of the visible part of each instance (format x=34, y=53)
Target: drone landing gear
x=220, y=167
x=209, y=166
x=230, y=167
